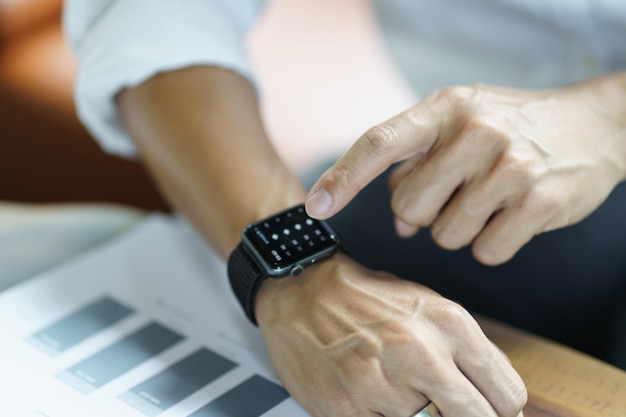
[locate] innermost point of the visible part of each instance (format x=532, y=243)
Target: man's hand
x=348, y=342
x=490, y=166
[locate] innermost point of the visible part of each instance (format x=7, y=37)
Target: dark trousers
x=568, y=285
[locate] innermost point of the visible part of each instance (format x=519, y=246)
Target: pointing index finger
x=397, y=139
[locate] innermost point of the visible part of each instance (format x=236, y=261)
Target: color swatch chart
x=85, y=339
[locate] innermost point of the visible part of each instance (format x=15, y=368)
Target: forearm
x=200, y=134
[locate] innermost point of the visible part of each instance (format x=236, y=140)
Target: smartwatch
x=278, y=246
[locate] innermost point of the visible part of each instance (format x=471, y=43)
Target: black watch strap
x=245, y=279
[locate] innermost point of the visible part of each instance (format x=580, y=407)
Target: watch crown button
x=296, y=270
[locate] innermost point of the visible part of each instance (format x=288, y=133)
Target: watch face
x=290, y=237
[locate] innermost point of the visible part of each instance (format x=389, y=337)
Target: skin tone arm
x=345, y=341
x=220, y=184
x=491, y=166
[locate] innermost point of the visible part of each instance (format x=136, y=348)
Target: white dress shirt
x=523, y=43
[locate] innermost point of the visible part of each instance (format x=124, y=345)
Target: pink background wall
x=324, y=75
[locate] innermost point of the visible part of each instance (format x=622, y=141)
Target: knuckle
x=511, y=396
x=540, y=201
x=408, y=208
x=456, y=96
x=402, y=206
x=486, y=254
x=407, y=342
x=519, y=395
x=516, y=398
x=460, y=101
x=480, y=127
x=453, y=317
x=381, y=139
x=517, y=167
x=342, y=176
x=486, y=134
x=446, y=238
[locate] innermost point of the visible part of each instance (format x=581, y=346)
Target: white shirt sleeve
x=121, y=43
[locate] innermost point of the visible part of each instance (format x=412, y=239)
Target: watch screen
x=290, y=237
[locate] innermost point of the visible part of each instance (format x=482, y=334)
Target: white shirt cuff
x=129, y=41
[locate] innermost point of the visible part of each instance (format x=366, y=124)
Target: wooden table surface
x=561, y=382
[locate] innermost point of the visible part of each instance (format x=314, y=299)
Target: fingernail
x=319, y=203
x=404, y=230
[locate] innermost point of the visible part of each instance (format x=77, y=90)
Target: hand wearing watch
x=278, y=246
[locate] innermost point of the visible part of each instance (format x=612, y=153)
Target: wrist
x=277, y=248
x=276, y=296
x=606, y=97
x=279, y=193
x=199, y=131
x=613, y=96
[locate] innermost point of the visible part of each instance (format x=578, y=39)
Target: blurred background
x=322, y=86
x=45, y=154
x=60, y=195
